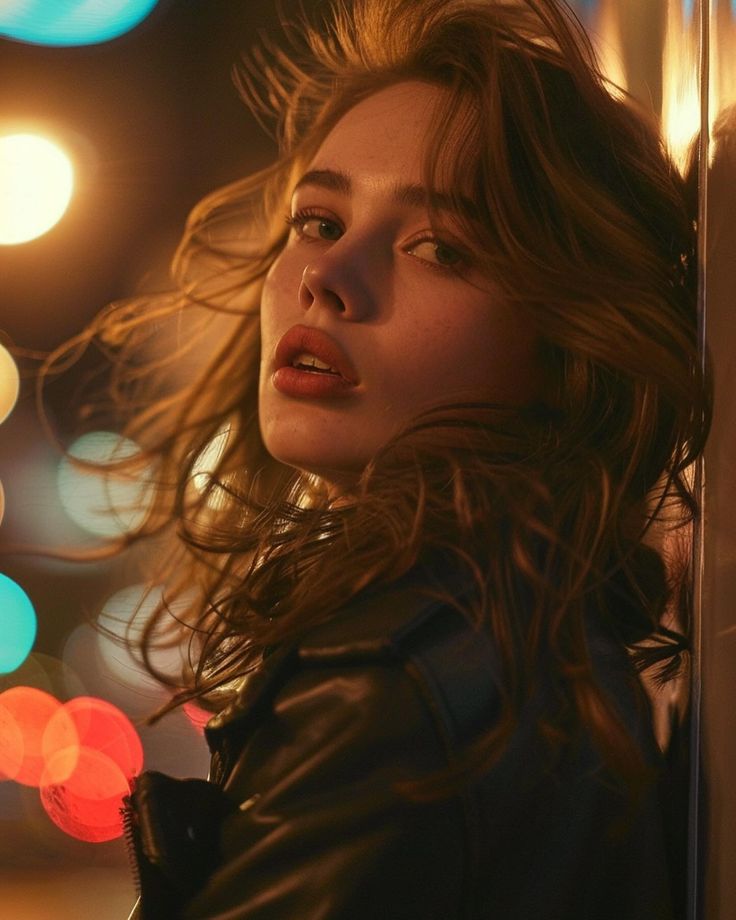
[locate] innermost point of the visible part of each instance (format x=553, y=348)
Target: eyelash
x=298, y=219
x=301, y=217
x=454, y=269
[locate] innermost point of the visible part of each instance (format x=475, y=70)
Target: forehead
x=386, y=132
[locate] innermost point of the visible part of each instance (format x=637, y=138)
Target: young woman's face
x=365, y=319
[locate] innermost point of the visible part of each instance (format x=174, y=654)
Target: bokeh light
x=9, y=380
x=71, y=22
x=96, y=724
x=123, y=616
x=82, y=653
x=173, y=745
x=17, y=625
x=81, y=755
x=47, y=673
x=87, y=804
x=103, y=501
x=36, y=182
x=12, y=746
x=21, y=753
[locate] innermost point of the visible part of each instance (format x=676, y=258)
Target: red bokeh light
x=81, y=754
x=197, y=716
x=87, y=804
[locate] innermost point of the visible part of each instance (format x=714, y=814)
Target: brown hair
x=581, y=217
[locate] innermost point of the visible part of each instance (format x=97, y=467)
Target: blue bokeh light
x=71, y=22
x=17, y=625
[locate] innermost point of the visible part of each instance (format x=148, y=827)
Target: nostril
x=309, y=293
x=325, y=284
x=306, y=297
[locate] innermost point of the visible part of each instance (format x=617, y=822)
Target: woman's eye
x=315, y=227
x=436, y=253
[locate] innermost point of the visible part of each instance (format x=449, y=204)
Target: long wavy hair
x=549, y=508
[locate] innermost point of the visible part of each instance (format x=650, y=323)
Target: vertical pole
x=695, y=830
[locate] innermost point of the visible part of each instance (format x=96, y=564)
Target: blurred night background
x=151, y=121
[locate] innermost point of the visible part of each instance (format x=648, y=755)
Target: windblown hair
x=549, y=508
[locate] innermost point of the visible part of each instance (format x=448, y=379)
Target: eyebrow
x=411, y=195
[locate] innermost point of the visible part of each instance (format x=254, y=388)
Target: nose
x=336, y=282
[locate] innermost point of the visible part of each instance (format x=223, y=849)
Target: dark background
x=152, y=122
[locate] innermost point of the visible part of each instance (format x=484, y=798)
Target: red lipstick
x=310, y=363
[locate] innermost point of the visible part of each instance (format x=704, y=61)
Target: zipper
x=130, y=836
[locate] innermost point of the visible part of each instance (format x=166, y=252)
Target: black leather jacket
x=302, y=820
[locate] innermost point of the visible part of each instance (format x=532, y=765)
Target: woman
x=460, y=384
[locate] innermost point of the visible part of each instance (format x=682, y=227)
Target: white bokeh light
x=36, y=183
x=103, y=501
x=122, y=619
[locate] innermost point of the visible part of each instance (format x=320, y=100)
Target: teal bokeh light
x=17, y=625
x=70, y=22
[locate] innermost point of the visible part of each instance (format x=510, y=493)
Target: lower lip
x=293, y=382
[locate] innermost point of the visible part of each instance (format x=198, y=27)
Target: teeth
x=307, y=360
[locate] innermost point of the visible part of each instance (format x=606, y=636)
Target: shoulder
x=396, y=646
x=316, y=751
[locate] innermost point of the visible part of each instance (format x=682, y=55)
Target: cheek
x=279, y=297
x=486, y=353
x=273, y=287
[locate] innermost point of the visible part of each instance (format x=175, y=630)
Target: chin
x=331, y=465
x=329, y=451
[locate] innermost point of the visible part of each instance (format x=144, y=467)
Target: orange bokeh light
x=88, y=721
x=21, y=750
x=11, y=745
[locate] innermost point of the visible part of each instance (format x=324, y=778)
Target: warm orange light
x=12, y=747
x=21, y=749
x=9, y=383
x=680, y=82
x=606, y=37
x=87, y=721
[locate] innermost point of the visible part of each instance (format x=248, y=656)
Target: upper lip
x=300, y=339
